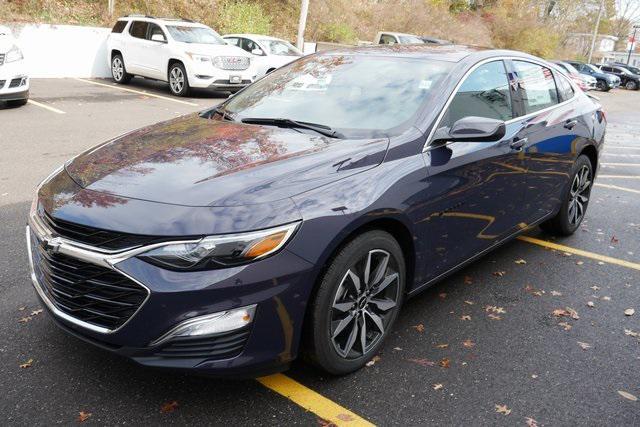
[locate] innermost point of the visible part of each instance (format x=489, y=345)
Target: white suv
x=14, y=82
x=184, y=53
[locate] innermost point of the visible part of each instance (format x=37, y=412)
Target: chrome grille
x=87, y=292
x=232, y=62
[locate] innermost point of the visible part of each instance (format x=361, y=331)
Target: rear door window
x=537, y=86
x=484, y=93
x=139, y=29
x=565, y=90
x=155, y=29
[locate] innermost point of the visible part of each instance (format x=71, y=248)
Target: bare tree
x=627, y=14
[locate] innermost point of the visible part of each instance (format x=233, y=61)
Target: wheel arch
x=115, y=52
x=592, y=153
x=172, y=61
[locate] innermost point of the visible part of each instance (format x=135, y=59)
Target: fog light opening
x=211, y=324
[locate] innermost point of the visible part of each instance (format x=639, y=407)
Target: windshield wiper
x=288, y=123
x=224, y=113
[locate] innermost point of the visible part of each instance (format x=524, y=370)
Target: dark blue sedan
x=297, y=216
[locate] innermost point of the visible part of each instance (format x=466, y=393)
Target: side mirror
x=158, y=38
x=257, y=52
x=473, y=129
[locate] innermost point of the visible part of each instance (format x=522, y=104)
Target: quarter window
x=119, y=27
x=155, y=29
x=537, y=86
x=139, y=29
x=387, y=39
x=485, y=93
x=565, y=90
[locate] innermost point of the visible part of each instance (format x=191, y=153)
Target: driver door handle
x=570, y=124
x=518, y=143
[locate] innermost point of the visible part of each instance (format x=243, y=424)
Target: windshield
x=357, y=95
x=202, y=35
x=410, y=40
x=280, y=47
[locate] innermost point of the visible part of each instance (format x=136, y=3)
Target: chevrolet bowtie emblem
x=52, y=245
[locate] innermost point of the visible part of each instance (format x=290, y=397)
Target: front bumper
x=279, y=286
x=210, y=77
x=14, y=81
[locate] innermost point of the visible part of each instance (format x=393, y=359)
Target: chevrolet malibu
x=296, y=217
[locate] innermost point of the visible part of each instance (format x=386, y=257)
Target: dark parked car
x=627, y=78
x=634, y=70
x=297, y=216
x=605, y=81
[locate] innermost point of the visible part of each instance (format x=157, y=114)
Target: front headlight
x=220, y=251
x=199, y=58
x=14, y=54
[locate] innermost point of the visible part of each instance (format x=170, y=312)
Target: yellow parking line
x=312, y=401
x=620, y=176
x=615, y=187
x=46, y=107
x=580, y=252
x=139, y=92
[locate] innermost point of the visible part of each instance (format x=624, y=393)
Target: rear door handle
x=517, y=144
x=570, y=124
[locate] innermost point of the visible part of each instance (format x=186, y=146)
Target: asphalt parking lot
x=532, y=334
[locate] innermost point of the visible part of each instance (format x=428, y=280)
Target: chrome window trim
x=427, y=145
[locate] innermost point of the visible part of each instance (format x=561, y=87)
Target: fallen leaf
x=595, y=288
x=499, y=273
x=627, y=395
x=465, y=317
x=468, y=280
x=566, y=312
x=83, y=416
x=606, y=298
x=469, y=302
x=565, y=325
x=444, y=363
x=534, y=376
x=590, y=304
x=579, y=262
x=468, y=343
x=631, y=333
x=36, y=312
x=397, y=348
x=23, y=308
x=600, y=263
x=520, y=261
x=502, y=409
x=584, y=345
x=614, y=240
x=25, y=319
x=494, y=316
x=442, y=346
x=494, y=309
x=325, y=423
x=442, y=295
x=169, y=407
x=566, y=254
x=373, y=361
x=345, y=417
x=422, y=362
x=531, y=422
x=437, y=386
x=26, y=364
x=556, y=293
x=419, y=327
x=629, y=312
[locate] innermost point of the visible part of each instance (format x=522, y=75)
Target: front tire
x=178, y=81
x=18, y=102
x=603, y=86
x=575, y=202
x=357, y=303
x=118, y=70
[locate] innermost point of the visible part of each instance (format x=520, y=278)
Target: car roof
x=393, y=33
x=450, y=53
x=147, y=18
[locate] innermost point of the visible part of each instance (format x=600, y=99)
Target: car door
x=474, y=190
x=550, y=127
x=135, y=46
x=155, y=53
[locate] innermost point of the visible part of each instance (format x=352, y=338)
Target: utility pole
x=595, y=31
x=304, y=10
x=633, y=42
x=111, y=6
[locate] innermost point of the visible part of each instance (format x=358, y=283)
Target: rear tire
x=355, y=307
x=575, y=201
x=178, y=80
x=118, y=70
x=631, y=85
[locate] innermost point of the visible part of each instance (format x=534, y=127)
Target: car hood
x=196, y=161
x=213, y=49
